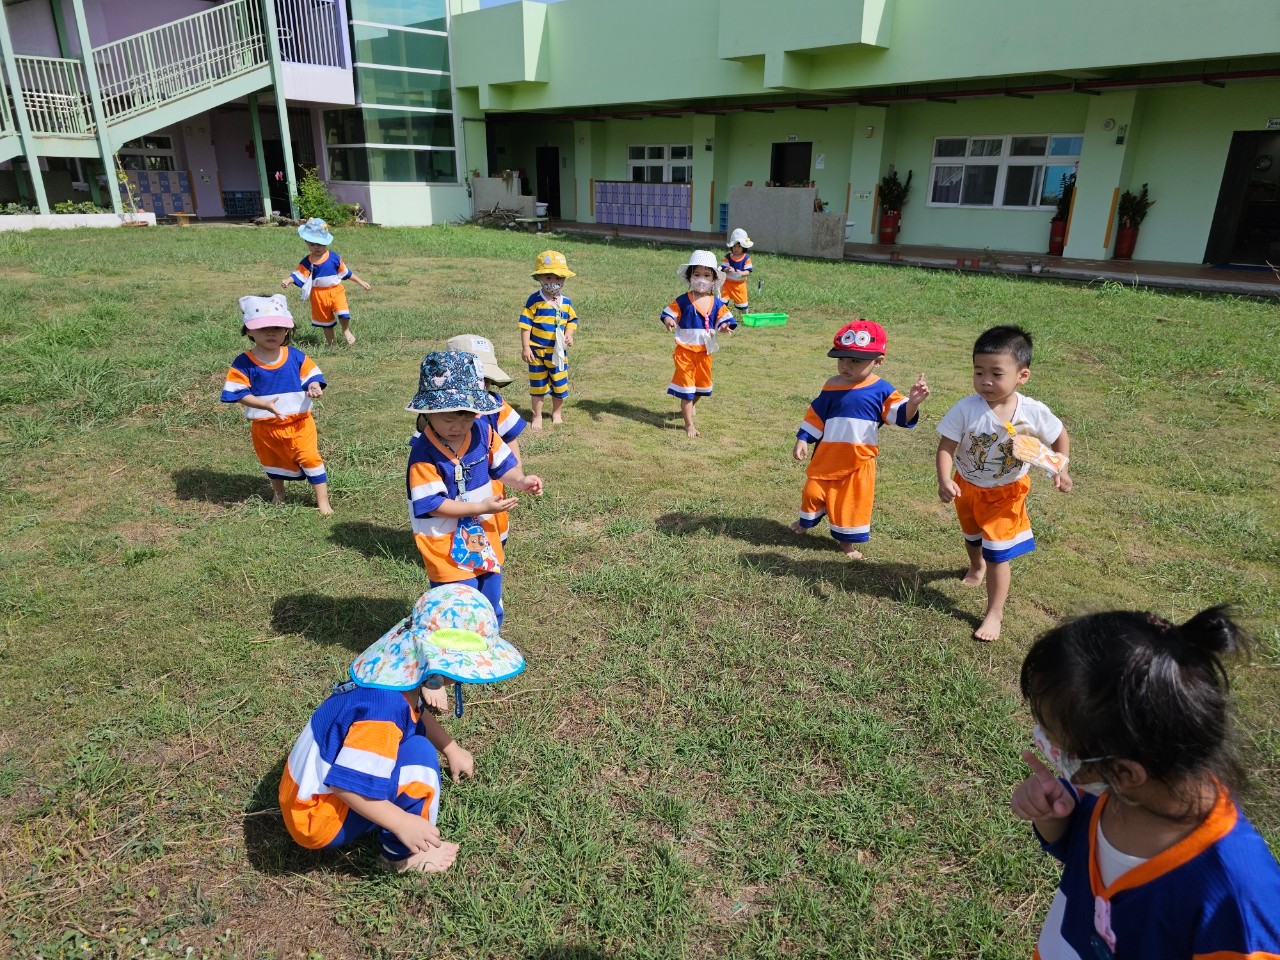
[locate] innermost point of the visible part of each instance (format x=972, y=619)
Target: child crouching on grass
x=368, y=759
x=275, y=383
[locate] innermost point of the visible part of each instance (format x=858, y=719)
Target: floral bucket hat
x=452, y=380
x=316, y=230
x=452, y=632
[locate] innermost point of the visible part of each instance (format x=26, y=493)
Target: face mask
x=552, y=290
x=700, y=285
x=1067, y=764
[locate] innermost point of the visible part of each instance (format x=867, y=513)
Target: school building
x=652, y=113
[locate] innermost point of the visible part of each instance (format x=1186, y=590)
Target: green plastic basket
x=764, y=319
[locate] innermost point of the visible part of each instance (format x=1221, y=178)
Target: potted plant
x=1058, y=225
x=893, y=194
x=1131, y=210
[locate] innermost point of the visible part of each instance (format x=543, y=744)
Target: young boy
x=990, y=484
x=320, y=274
x=547, y=325
x=369, y=756
x=737, y=267
x=844, y=421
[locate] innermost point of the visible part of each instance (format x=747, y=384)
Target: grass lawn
x=730, y=741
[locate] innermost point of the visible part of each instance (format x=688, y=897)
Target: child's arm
x=461, y=763
x=413, y=831
x=475, y=508
x=948, y=489
x=801, y=449
x=296, y=278
x=516, y=477
x=514, y=446
x=1063, y=446
x=571, y=326
x=358, y=280
x=265, y=403
x=526, y=351
x=919, y=393
x=1042, y=799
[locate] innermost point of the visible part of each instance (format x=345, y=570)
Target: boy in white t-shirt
x=989, y=486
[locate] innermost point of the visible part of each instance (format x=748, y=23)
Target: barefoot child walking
x=547, y=325
x=695, y=318
x=275, y=383
x=320, y=274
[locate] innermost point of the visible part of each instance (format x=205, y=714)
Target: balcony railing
x=309, y=32
x=53, y=94
x=143, y=71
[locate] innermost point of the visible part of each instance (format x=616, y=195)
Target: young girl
x=737, y=267
x=452, y=463
x=275, y=383
x=320, y=274
x=1158, y=861
x=696, y=317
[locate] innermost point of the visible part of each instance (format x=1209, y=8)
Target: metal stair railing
x=141, y=72
x=55, y=96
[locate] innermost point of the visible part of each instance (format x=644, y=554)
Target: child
x=276, y=383
x=506, y=422
x=1158, y=861
x=547, y=325
x=320, y=274
x=737, y=267
x=695, y=317
x=368, y=756
x=990, y=484
x=845, y=424
x=452, y=464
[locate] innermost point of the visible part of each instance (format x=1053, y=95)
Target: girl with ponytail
x=1158, y=860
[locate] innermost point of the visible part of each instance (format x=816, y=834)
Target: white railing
x=55, y=96
x=310, y=32
x=141, y=72
x=7, y=124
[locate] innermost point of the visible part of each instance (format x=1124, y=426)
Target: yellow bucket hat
x=552, y=261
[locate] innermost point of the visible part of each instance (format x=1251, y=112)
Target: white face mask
x=1067, y=764
x=551, y=289
x=701, y=285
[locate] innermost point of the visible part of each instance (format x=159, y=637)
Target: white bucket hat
x=481, y=347
x=740, y=236
x=702, y=258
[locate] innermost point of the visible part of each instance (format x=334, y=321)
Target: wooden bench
x=183, y=218
x=531, y=224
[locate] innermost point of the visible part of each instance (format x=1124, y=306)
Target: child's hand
x=416, y=833
x=919, y=392
x=314, y=390
x=1041, y=796
x=1062, y=482
x=495, y=505
x=284, y=284
x=801, y=450
x=461, y=763
x=668, y=323
x=532, y=484
x=568, y=338
x=948, y=490
x=527, y=355
x=437, y=701
x=362, y=283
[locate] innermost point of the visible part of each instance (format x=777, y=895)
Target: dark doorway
x=547, y=171
x=1246, y=222
x=273, y=154
x=790, y=164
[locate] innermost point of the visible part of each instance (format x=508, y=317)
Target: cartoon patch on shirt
x=980, y=445
x=1008, y=462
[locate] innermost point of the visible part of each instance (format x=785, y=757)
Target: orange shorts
x=288, y=448
x=692, y=376
x=996, y=517
x=735, y=292
x=846, y=503
x=328, y=306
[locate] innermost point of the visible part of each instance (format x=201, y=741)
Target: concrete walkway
x=1198, y=278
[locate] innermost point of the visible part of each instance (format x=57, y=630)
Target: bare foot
x=988, y=629
x=691, y=432
x=325, y=509
x=277, y=499
x=556, y=418
x=537, y=424
x=973, y=578
x=798, y=527
x=851, y=551
x=433, y=860
x=350, y=337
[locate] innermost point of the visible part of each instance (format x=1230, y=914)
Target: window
x=660, y=163
x=413, y=14
x=148, y=153
x=1017, y=171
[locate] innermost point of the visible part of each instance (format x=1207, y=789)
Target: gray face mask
x=552, y=290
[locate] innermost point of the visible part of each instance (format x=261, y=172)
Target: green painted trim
x=60, y=25
x=20, y=114
x=95, y=105
x=282, y=104
x=263, y=183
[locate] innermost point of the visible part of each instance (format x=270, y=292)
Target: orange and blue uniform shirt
x=844, y=421
x=366, y=741
x=328, y=298
x=735, y=291
x=508, y=425
x=286, y=445
x=1214, y=894
x=694, y=333
x=543, y=321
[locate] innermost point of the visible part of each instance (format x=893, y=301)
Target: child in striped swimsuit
x=547, y=326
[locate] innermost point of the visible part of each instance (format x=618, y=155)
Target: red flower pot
x=1057, y=237
x=889, y=224
x=1126, y=240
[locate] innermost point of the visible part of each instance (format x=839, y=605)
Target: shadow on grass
x=212, y=486
x=900, y=582
x=353, y=622
x=376, y=542
x=753, y=530
x=563, y=951
x=271, y=850
x=628, y=411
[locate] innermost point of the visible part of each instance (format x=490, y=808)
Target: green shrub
x=16, y=209
x=71, y=206
x=315, y=200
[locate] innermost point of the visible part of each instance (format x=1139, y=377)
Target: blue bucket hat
x=452, y=380
x=316, y=230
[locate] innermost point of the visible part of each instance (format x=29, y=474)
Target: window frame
x=665, y=161
x=1002, y=162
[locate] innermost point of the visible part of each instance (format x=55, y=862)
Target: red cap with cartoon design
x=861, y=338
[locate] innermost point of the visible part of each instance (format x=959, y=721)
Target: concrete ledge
x=70, y=221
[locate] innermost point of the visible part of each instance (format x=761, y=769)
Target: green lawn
x=730, y=741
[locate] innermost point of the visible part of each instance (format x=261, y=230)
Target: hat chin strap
x=457, y=699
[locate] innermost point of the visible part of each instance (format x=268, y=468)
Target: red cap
x=861, y=338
